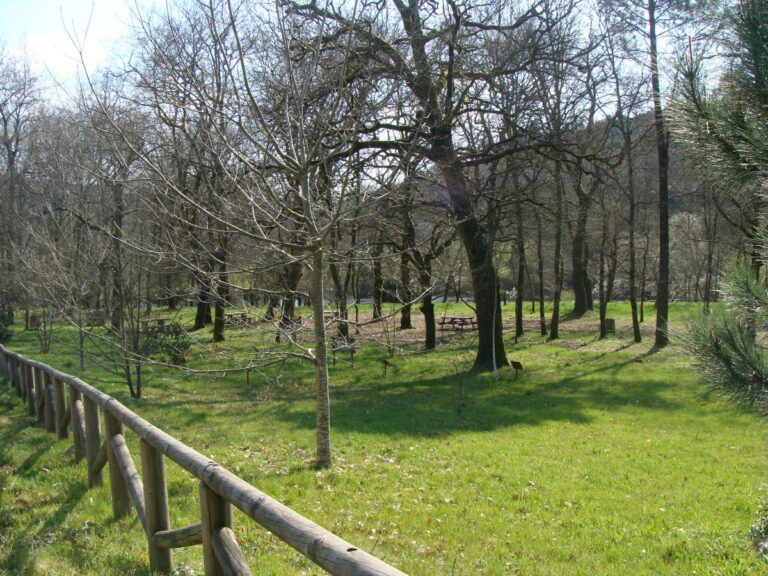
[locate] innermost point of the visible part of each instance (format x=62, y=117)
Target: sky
x=44, y=30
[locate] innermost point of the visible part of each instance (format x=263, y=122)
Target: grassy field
x=602, y=457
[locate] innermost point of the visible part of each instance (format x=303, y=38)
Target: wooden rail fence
x=63, y=402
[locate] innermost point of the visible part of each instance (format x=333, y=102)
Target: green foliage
x=171, y=345
x=727, y=129
x=725, y=345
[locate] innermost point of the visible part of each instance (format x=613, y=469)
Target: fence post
x=215, y=513
x=50, y=409
x=39, y=395
x=30, y=388
x=78, y=422
x=25, y=379
x=156, y=505
x=92, y=440
x=17, y=377
x=121, y=500
x=61, y=407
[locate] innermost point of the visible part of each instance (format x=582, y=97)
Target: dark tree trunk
x=404, y=294
x=582, y=289
x=428, y=310
x=632, y=224
x=540, y=264
x=520, y=298
x=662, y=148
x=218, y=323
x=490, y=348
x=222, y=294
x=340, y=298
x=554, y=327
x=378, y=279
x=203, y=312
x=601, y=279
x=711, y=243
x=117, y=302
x=272, y=303
x=291, y=276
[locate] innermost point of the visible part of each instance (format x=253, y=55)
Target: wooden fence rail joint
x=179, y=537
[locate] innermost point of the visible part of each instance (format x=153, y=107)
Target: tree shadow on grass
x=22, y=554
x=467, y=402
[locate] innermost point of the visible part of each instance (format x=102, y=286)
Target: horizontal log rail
x=45, y=390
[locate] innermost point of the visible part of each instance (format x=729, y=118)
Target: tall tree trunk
x=582, y=290
x=521, y=271
x=490, y=348
x=117, y=301
x=378, y=278
x=322, y=393
x=629, y=158
x=602, y=303
x=218, y=321
x=404, y=294
x=222, y=294
x=554, y=328
x=711, y=239
x=428, y=309
x=540, y=265
x=662, y=147
x=203, y=309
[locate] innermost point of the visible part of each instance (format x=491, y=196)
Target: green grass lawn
x=602, y=457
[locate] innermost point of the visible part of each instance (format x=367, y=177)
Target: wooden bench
x=457, y=323
x=348, y=345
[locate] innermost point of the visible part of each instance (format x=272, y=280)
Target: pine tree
x=727, y=132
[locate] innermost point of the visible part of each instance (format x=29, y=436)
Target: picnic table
x=236, y=319
x=345, y=345
x=458, y=323
x=153, y=324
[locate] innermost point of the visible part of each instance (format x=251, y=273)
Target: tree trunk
x=662, y=147
x=708, y=278
x=632, y=223
x=428, y=310
x=490, y=348
x=203, y=311
x=323, y=400
x=222, y=296
x=272, y=303
x=378, y=279
x=340, y=298
x=554, y=328
x=291, y=276
x=404, y=294
x=582, y=290
x=540, y=265
x=116, y=258
x=520, y=297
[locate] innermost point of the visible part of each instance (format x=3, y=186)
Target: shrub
x=172, y=345
x=759, y=531
x=5, y=333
